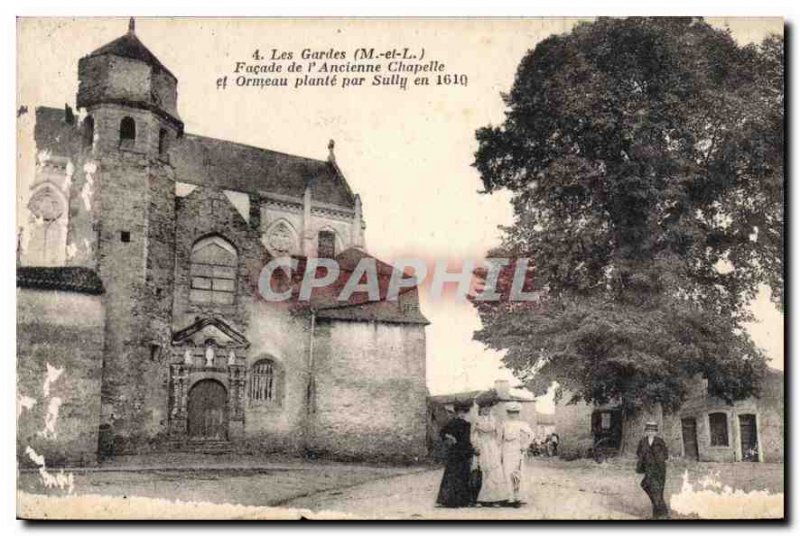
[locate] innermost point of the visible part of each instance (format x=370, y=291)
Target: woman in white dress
x=486, y=441
x=516, y=438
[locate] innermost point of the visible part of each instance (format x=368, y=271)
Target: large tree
x=645, y=158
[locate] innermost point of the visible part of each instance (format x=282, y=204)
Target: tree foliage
x=645, y=158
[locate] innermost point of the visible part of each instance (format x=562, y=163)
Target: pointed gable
x=213, y=328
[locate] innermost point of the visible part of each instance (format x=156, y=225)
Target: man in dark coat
x=652, y=462
x=454, y=490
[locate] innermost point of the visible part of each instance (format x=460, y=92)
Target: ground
x=556, y=489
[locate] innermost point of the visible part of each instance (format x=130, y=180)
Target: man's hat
x=513, y=407
x=651, y=426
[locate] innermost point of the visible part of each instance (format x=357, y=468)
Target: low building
x=705, y=428
x=440, y=410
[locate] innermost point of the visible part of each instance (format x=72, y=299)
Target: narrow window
x=162, y=141
x=326, y=244
x=262, y=381
x=718, y=426
x=125, y=236
x=88, y=131
x=127, y=131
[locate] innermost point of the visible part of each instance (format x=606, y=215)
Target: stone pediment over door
x=207, y=329
x=210, y=353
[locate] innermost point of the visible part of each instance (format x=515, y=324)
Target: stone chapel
x=140, y=248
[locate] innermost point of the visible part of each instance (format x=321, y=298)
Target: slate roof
x=53, y=133
x=221, y=164
x=234, y=166
x=325, y=303
x=480, y=396
x=66, y=278
x=129, y=46
x=465, y=396
x=374, y=311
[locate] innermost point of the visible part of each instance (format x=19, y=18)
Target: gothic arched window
x=281, y=239
x=127, y=131
x=213, y=271
x=326, y=244
x=46, y=242
x=263, y=384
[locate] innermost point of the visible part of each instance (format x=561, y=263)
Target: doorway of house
x=749, y=435
x=689, y=432
x=606, y=433
x=207, y=410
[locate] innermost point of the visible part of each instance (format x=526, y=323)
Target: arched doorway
x=207, y=410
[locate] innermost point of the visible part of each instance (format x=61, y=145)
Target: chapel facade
x=162, y=235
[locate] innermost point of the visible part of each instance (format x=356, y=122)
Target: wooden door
x=689, y=432
x=208, y=410
x=749, y=435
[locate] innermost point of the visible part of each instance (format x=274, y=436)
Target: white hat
x=513, y=407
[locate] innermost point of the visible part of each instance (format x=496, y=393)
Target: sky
x=408, y=153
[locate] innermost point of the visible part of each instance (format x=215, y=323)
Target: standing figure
x=486, y=440
x=210, y=355
x=553, y=448
x=454, y=490
x=516, y=437
x=652, y=462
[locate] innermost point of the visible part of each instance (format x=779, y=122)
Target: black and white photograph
x=400, y=268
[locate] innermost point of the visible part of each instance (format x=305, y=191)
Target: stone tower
x=123, y=225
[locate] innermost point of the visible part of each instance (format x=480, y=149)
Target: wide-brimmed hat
x=651, y=426
x=513, y=407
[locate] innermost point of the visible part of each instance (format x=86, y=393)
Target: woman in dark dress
x=455, y=492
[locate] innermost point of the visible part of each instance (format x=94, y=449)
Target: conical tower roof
x=125, y=72
x=129, y=46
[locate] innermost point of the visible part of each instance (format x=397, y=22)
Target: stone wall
x=154, y=310
x=370, y=393
x=122, y=208
x=574, y=428
x=771, y=417
x=59, y=331
x=278, y=425
x=107, y=119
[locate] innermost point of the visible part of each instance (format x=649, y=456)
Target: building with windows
x=705, y=428
x=172, y=230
